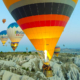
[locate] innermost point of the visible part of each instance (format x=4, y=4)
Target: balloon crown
x=13, y=25
x=4, y=32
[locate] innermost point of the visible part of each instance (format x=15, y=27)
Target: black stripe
x=42, y=8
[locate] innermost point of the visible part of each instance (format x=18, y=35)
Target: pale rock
x=55, y=77
x=10, y=63
x=1, y=62
x=31, y=56
x=73, y=74
x=21, y=71
x=39, y=75
x=30, y=78
x=24, y=77
x=7, y=75
x=33, y=63
x=27, y=58
x=15, y=77
x=40, y=64
x=11, y=76
x=77, y=61
x=57, y=71
x=2, y=72
x=22, y=62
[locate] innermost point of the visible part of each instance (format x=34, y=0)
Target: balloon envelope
x=14, y=45
x=57, y=51
x=15, y=34
x=4, y=20
x=3, y=36
x=43, y=21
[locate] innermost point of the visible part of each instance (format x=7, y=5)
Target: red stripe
x=43, y=23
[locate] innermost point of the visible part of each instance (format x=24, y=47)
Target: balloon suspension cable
x=40, y=56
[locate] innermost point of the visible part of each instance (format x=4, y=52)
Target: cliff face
x=29, y=67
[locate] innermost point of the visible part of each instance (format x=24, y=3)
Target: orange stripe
x=42, y=18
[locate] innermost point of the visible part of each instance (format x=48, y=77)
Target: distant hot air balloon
x=4, y=37
x=15, y=34
x=9, y=42
x=43, y=21
x=63, y=45
x=4, y=20
x=57, y=51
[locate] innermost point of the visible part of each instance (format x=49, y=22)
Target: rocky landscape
x=28, y=66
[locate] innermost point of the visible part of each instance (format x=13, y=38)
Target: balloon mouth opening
x=57, y=54
x=46, y=60
x=3, y=44
x=14, y=45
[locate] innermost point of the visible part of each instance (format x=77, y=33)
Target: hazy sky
x=70, y=37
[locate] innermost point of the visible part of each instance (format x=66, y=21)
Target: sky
x=70, y=37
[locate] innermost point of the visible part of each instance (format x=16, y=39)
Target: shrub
x=33, y=70
x=36, y=52
x=24, y=68
x=27, y=69
x=30, y=52
x=1, y=52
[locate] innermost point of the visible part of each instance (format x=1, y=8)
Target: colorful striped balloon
x=43, y=21
x=57, y=51
x=14, y=45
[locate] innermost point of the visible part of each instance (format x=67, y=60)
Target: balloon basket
x=48, y=73
x=47, y=70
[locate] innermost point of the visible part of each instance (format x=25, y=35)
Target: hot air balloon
x=43, y=21
x=4, y=37
x=57, y=51
x=63, y=45
x=4, y=20
x=15, y=34
x=9, y=42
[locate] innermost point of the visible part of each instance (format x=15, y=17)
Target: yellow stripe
x=57, y=54
x=44, y=38
x=3, y=42
x=44, y=32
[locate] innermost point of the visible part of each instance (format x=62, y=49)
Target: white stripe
x=27, y=2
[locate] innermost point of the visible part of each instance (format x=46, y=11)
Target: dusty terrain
x=28, y=66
